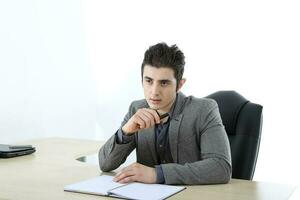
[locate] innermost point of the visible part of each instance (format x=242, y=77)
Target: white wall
x=70, y=68
x=45, y=84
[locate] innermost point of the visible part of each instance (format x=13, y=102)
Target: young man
x=189, y=146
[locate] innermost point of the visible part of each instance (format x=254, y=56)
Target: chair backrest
x=243, y=122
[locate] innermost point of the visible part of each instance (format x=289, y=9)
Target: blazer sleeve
x=215, y=164
x=112, y=154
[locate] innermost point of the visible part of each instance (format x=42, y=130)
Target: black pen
x=163, y=115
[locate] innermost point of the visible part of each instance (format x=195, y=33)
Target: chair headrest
x=230, y=104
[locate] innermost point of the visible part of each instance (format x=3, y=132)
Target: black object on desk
x=9, y=151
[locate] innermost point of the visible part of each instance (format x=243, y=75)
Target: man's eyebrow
x=147, y=77
x=165, y=80
x=162, y=80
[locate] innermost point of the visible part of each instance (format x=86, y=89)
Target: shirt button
x=163, y=161
x=160, y=145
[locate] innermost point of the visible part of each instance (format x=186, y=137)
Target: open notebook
x=104, y=185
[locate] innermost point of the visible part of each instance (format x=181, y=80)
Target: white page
x=146, y=191
x=98, y=185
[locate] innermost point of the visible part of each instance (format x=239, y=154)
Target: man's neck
x=167, y=109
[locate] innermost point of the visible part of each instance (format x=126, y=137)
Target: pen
x=163, y=115
x=20, y=146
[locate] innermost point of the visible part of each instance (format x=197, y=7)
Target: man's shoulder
x=198, y=107
x=200, y=103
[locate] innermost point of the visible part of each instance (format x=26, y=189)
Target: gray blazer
x=198, y=142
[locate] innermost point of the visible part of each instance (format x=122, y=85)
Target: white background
x=71, y=68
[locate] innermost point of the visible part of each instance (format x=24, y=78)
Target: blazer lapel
x=175, y=122
x=173, y=136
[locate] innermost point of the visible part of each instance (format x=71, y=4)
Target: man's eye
x=164, y=83
x=148, y=81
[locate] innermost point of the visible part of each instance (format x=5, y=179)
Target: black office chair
x=243, y=122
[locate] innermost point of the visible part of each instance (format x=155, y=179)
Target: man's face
x=159, y=86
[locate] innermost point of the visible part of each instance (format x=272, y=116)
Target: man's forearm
x=208, y=171
x=112, y=154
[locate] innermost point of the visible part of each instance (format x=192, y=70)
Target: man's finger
x=148, y=118
x=140, y=122
x=127, y=179
x=145, y=119
x=127, y=169
x=123, y=175
x=155, y=115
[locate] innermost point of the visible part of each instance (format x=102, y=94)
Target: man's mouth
x=155, y=101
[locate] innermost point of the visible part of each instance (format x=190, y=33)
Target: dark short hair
x=162, y=55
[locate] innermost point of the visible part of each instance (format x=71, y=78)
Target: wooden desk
x=43, y=175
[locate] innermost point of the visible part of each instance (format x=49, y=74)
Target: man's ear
x=181, y=83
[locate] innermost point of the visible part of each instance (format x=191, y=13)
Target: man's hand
x=142, y=119
x=136, y=173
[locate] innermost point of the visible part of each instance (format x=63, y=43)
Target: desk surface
x=43, y=175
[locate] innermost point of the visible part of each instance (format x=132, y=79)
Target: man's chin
x=154, y=107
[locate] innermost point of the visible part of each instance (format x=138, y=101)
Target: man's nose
x=155, y=89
